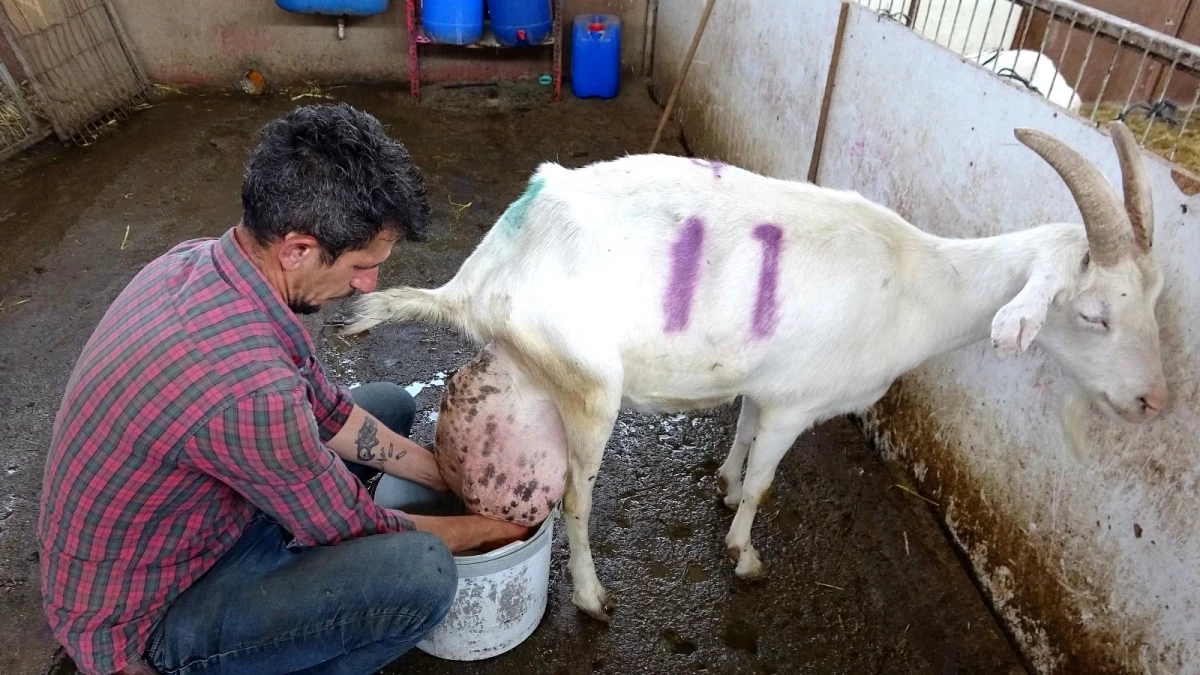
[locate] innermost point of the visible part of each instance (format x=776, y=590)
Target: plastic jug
x=596, y=56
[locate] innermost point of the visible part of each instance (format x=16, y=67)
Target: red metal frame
x=416, y=37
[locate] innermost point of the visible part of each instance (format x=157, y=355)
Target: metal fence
x=1095, y=65
x=20, y=126
x=77, y=60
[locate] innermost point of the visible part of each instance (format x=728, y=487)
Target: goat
x=670, y=284
x=1033, y=69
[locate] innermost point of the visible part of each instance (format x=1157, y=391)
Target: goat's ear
x=1016, y=324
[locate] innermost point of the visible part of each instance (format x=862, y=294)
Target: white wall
x=743, y=92
x=1091, y=561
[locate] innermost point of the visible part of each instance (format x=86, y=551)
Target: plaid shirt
x=196, y=403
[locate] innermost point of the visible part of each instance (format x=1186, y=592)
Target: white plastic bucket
x=501, y=594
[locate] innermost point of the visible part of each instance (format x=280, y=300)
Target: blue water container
x=335, y=7
x=596, y=56
x=520, y=22
x=456, y=22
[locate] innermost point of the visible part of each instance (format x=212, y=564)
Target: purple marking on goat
x=766, y=305
x=715, y=165
x=685, y=272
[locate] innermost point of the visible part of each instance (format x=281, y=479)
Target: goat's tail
x=436, y=306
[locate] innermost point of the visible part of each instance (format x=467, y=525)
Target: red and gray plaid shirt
x=196, y=403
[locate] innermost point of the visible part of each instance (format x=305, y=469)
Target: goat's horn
x=1103, y=215
x=1138, y=198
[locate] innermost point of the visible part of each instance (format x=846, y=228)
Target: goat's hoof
x=722, y=485
x=734, y=553
x=732, y=501
x=749, y=567
x=599, y=611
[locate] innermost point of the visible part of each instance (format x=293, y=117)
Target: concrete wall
x=1090, y=561
x=210, y=43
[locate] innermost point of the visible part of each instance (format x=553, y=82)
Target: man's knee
x=389, y=403
x=426, y=578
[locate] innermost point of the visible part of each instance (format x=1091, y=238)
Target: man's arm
x=364, y=440
x=267, y=447
x=473, y=532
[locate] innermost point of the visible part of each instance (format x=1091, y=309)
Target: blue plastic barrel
x=335, y=7
x=456, y=22
x=520, y=22
x=596, y=56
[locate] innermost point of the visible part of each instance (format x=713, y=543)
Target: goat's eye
x=1094, y=320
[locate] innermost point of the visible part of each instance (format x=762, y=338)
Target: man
x=196, y=517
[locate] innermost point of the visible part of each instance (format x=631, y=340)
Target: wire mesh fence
x=1093, y=64
x=19, y=124
x=78, y=62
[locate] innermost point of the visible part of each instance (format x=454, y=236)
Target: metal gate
x=77, y=61
x=19, y=124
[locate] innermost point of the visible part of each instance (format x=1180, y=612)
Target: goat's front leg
x=587, y=434
x=729, y=476
x=777, y=431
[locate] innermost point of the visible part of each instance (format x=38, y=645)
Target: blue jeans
x=352, y=607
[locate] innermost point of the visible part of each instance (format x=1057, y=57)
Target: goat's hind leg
x=729, y=476
x=777, y=431
x=589, y=422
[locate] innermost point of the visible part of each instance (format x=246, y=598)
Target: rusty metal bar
x=987, y=26
x=953, y=25
x=1112, y=26
x=1107, y=74
x=1041, y=48
x=1183, y=127
x=1062, y=57
x=1161, y=97
x=970, y=23
x=1137, y=77
x=1087, y=56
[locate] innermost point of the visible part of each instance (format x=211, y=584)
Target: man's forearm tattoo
x=367, y=440
x=393, y=453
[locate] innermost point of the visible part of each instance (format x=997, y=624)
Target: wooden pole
x=683, y=69
x=830, y=77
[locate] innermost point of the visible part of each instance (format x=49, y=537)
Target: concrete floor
x=862, y=580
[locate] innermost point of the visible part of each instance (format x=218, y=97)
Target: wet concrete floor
x=861, y=578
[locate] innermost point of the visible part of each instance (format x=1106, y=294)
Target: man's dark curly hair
x=331, y=172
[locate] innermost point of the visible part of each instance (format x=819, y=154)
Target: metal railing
x=1095, y=65
x=20, y=125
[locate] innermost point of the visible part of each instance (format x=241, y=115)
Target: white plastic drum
x=501, y=595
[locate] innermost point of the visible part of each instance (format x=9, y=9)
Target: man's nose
x=366, y=280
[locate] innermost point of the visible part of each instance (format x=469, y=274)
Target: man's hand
x=473, y=532
x=363, y=440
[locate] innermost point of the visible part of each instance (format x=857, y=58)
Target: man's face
x=312, y=283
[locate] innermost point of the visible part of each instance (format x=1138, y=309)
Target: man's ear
x=295, y=249
x=1016, y=324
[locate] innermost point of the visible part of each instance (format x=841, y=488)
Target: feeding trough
x=501, y=594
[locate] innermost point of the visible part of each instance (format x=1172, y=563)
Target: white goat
x=1036, y=69
x=670, y=284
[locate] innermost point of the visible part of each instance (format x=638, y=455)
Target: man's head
x=325, y=195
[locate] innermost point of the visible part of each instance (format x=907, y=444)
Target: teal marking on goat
x=514, y=217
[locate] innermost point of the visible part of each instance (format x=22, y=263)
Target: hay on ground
x=1163, y=135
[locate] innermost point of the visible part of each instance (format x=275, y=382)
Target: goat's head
x=1096, y=312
